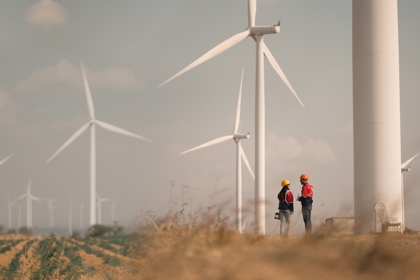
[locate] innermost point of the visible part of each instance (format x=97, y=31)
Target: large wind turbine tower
x=376, y=115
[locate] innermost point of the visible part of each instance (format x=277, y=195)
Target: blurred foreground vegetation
x=191, y=247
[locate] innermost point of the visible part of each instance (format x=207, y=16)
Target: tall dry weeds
x=172, y=250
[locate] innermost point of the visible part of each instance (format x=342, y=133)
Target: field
x=66, y=258
x=166, y=250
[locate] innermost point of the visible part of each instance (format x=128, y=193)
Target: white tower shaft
x=51, y=217
x=238, y=186
x=28, y=210
x=81, y=216
x=99, y=212
x=113, y=213
x=92, y=176
x=19, y=216
x=376, y=111
x=260, y=139
x=10, y=216
x=70, y=219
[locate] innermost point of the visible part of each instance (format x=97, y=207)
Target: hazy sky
x=129, y=47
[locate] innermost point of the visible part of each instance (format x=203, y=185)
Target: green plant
x=25, y=231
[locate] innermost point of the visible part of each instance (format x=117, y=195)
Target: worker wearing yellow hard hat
x=286, y=208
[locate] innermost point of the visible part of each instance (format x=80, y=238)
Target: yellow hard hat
x=285, y=183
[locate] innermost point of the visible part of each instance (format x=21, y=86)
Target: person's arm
x=290, y=201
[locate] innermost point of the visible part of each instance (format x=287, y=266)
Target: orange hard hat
x=304, y=177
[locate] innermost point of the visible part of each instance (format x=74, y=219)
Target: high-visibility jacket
x=285, y=197
x=307, y=193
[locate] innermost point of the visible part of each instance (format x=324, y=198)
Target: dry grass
x=200, y=252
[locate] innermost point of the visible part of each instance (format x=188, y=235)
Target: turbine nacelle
x=407, y=169
x=262, y=30
x=241, y=136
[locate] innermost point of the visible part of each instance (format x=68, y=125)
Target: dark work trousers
x=306, y=213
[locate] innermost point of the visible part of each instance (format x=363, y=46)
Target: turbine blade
x=115, y=129
x=232, y=41
x=4, y=160
x=277, y=68
x=210, y=143
x=88, y=93
x=405, y=164
x=238, y=107
x=252, y=11
x=71, y=139
x=20, y=197
x=243, y=226
x=246, y=162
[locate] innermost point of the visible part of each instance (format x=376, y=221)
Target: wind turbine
x=51, y=210
x=9, y=206
x=113, y=207
x=81, y=215
x=19, y=215
x=92, y=123
x=6, y=159
x=240, y=155
x=257, y=33
x=29, y=199
x=71, y=204
x=100, y=200
x=405, y=168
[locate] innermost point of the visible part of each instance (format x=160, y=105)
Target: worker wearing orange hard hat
x=306, y=201
x=286, y=208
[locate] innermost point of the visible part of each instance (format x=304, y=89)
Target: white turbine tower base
x=240, y=155
x=92, y=123
x=376, y=114
x=257, y=33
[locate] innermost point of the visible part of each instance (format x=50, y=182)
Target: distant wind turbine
x=71, y=204
x=240, y=155
x=100, y=200
x=92, y=123
x=113, y=207
x=257, y=33
x=19, y=215
x=81, y=215
x=51, y=210
x=29, y=199
x=405, y=168
x=9, y=206
x=6, y=159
